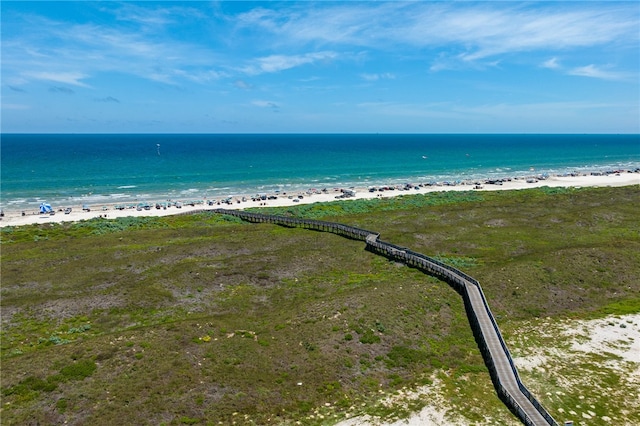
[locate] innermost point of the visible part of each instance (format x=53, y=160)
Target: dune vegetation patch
x=200, y=320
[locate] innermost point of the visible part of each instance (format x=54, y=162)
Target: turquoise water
x=74, y=169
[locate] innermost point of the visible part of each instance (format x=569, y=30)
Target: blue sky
x=330, y=67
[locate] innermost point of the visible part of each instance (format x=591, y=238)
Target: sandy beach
x=32, y=215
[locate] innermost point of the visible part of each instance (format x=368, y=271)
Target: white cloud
x=85, y=49
x=241, y=84
x=16, y=89
x=591, y=71
x=108, y=99
x=59, y=89
x=143, y=45
x=266, y=104
x=72, y=78
x=201, y=77
x=551, y=63
x=476, y=30
x=376, y=77
x=331, y=23
x=595, y=72
x=276, y=63
x=156, y=16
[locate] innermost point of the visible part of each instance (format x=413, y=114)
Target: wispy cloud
x=142, y=43
x=199, y=76
x=595, y=72
x=551, y=64
x=276, y=63
x=590, y=70
x=241, y=84
x=77, y=51
x=308, y=55
x=376, y=77
x=159, y=16
x=17, y=89
x=266, y=104
x=483, y=31
x=476, y=30
x=332, y=24
x=60, y=89
x=108, y=99
x=72, y=78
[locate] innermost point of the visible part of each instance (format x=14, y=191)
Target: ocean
x=127, y=168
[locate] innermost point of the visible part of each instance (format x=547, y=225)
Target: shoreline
x=164, y=208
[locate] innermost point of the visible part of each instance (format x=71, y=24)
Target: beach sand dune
x=614, y=338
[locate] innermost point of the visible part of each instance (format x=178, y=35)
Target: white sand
x=617, y=338
x=436, y=413
x=612, y=344
x=15, y=218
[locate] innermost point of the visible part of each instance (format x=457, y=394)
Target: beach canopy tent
x=45, y=208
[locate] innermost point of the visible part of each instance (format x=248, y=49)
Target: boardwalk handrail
x=532, y=415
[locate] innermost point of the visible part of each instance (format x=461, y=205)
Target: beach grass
x=202, y=319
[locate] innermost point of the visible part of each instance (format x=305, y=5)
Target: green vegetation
x=376, y=205
x=30, y=387
x=205, y=319
x=622, y=307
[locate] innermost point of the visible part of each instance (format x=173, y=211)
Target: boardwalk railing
x=504, y=374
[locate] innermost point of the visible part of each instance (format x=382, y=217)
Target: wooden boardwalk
x=502, y=363
x=503, y=372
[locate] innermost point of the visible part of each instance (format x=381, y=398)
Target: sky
x=320, y=67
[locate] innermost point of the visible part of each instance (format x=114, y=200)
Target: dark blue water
x=72, y=169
